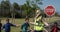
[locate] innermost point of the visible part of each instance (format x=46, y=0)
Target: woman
x=39, y=22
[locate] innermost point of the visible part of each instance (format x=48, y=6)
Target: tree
x=56, y=14
x=16, y=8
x=35, y=3
x=0, y=10
x=5, y=8
x=32, y=5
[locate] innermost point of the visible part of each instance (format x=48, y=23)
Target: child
x=0, y=25
x=25, y=26
x=55, y=28
x=7, y=26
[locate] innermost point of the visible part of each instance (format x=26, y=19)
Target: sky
x=55, y=3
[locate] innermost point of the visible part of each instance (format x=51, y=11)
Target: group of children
x=24, y=26
x=8, y=25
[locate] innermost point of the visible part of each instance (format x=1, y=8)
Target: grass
x=21, y=21
x=17, y=22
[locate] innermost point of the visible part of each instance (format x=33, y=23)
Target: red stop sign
x=49, y=10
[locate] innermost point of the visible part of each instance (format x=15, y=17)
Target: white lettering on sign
x=49, y=10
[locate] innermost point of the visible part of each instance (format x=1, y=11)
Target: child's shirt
x=7, y=26
x=24, y=27
x=55, y=29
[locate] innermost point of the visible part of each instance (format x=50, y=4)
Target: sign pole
x=49, y=21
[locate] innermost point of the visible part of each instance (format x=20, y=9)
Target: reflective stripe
x=38, y=18
x=39, y=27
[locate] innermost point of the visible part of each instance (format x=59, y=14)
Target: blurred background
x=17, y=10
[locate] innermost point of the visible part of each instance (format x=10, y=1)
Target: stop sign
x=49, y=10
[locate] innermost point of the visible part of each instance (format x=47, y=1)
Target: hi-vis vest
x=38, y=24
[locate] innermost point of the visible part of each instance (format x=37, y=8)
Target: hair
x=26, y=19
x=7, y=20
x=55, y=23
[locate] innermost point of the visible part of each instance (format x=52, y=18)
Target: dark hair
x=55, y=23
x=26, y=19
x=7, y=20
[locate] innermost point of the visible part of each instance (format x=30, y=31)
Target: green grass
x=21, y=21
x=17, y=22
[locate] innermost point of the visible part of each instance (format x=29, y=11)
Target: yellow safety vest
x=38, y=25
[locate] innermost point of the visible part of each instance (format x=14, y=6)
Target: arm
x=13, y=25
x=33, y=23
x=37, y=15
x=21, y=26
x=18, y=25
x=58, y=28
x=45, y=30
x=45, y=22
x=3, y=27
